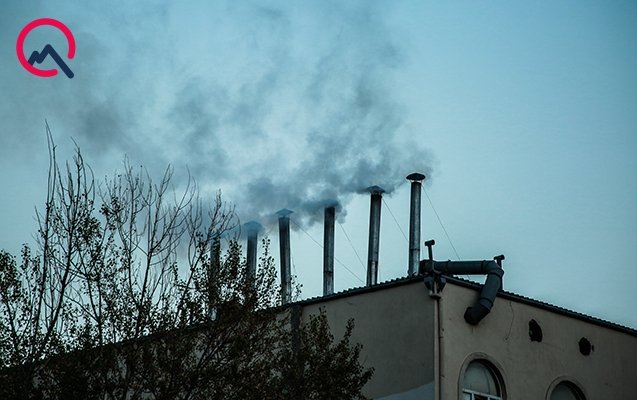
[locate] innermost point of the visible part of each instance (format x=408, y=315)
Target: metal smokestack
x=252, y=230
x=213, y=270
x=414, y=222
x=374, y=234
x=328, y=250
x=284, y=246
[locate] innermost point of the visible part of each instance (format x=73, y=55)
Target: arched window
x=566, y=390
x=482, y=381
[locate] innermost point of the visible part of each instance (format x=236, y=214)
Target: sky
x=523, y=116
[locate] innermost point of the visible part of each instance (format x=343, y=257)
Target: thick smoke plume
x=233, y=92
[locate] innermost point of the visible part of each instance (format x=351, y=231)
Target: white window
x=481, y=382
x=567, y=391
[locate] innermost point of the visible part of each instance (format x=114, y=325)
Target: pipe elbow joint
x=473, y=315
x=492, y=268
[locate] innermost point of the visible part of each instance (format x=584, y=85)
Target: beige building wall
x=395, y=326
x=530, y=368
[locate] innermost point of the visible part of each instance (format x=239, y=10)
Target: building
x=432, y=335
x=422, y=348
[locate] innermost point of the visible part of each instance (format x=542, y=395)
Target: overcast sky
x=522, y=114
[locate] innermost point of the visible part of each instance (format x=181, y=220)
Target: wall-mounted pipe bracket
x=435, y=281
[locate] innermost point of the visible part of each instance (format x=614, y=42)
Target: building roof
x=476, y=286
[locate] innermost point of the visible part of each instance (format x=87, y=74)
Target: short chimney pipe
x=414, y=222
x=212, y=273
x=374, y=234
x=284, y=247
x=252, y=230
x=430, y=251
x=328, y=250
x=492, y=268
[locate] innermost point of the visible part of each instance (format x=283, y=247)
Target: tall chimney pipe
x=284, y=247
x=414, y=222
x=328, y=250
x=252, y=230
x=374, y=234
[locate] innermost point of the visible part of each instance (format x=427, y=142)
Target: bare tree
x=134, y=299
x=34, y=296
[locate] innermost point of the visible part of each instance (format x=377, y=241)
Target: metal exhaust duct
x=414, y=222
x=252, y=229
x=328, y=250
x=491, y=268
x=374, y=234
x=284, y=247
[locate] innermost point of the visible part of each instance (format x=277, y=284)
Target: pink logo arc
x=48, y=50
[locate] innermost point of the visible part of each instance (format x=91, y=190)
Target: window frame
x=572, y=383
x=493, y=367
x=473, y=395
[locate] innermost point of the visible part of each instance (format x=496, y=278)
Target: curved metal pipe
x=474, y=314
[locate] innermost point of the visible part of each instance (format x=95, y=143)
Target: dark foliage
x=128, y=301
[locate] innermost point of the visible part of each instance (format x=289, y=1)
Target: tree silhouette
x=133, y=299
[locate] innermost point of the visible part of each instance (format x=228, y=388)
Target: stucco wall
x=395, y=327
x=529, y=368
